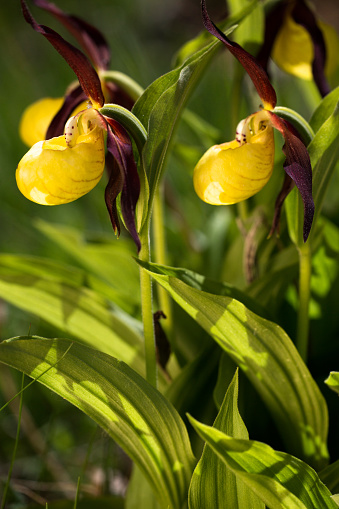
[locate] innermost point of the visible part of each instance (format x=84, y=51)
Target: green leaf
x=139, y=492
x=55, y=293
x=325, y=109
x=129, y=409
x=267, y=356
x=159, y=110
x=333, y=381
x=330, y=476
x=212, y=481
x=279, y=479
x=324, y=154
x=270, y=287
x=109, y=264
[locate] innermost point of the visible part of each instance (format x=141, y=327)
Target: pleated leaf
x=279, y=479
x=213, y=483
x=267, y=356
x=330, y=476
x=129, y=409
x=56, y=293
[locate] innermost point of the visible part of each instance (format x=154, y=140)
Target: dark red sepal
x=113, y=189
x=86, y=74
x=285, y=191
x=251, y=65
x=298, y=167
x=90, y=38
x=75, y=97
x=120, y=147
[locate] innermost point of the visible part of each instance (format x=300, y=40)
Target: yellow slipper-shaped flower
x=234, y=171
x=63, y=169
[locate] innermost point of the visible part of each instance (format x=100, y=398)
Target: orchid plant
x=166, y=385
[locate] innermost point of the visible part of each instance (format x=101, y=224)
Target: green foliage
x=265, y=306
x=267, y=356
x=133, y=413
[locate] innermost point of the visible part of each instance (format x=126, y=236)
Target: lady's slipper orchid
x=234, y=171
x=61, y=169
x=47, y=117
x=300, y=44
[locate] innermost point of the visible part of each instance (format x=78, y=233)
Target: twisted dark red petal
x=251, y=65
x=298, y=168
x=75, y=97
x=120, y=147
x=86, y=74
x=90, y=38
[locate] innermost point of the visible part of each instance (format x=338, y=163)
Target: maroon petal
x=87, y=76
x=285, y=191
x=75, y=97
x=298, y=167
x=251, y=65
x=120, y=147
x=113, y=189
x=90, y=38
x=304, y=16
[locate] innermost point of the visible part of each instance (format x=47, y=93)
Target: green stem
x=147, y=311
x=305, y=269
x=161, y=257
x=133, y=89
x=129, y=121
x=297, y=121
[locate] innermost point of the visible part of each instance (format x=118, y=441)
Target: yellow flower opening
x=63, y=169
x=234, y=171
x=293, y=49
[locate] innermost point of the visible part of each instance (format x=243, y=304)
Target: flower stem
x=161, y=257
x=298, y=121
x=305, y=268
x=146, y=306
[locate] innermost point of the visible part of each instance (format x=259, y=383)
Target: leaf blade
x=132, y=412
x=267, y=356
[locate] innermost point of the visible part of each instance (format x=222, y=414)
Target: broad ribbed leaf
x=109, y=260
x=56, y=293
x=267, y=356
x=330, y=476
x=324, y=154
x=129, y=409
x=213, y=484
x=279, y=479
x=159, y=109
x=325, y=109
